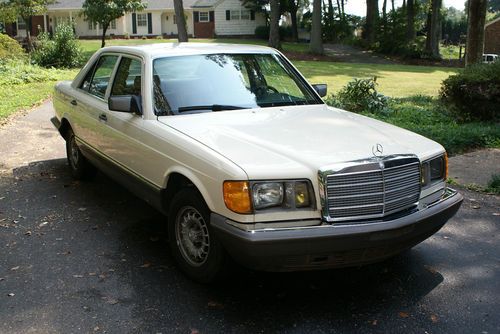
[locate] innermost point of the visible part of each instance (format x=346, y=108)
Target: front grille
x=374, y=190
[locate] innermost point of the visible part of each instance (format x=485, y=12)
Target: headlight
x=250, y=196
x=266, y=195
x=434, y=170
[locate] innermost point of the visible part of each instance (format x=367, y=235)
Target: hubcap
x=191, y=234
x=74, y=153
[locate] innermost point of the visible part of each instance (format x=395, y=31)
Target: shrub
x=62, y=51
x=15, y=72
x=10, y=48
x=474, y=94
x=262, y=32
x=359, y=95
x=494, y=184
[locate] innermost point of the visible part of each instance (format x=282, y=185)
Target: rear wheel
x=80, y=167
x=194, y=245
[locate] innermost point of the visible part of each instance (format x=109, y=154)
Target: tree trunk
x=371, y=20
x=293, y=15
x=342, y=11
x=331, y=19
x=393, y=7
x=103, y=37
x=433, y=29
x=182, y=34
x=410, y=21
x=274, y=26
x=316, y=44
x=475, y=32
x=384, y=16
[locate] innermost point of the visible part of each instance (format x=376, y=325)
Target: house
x=204, y=18
x=492, y=37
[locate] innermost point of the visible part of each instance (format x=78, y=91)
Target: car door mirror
x=125, y=103
x=321, y=89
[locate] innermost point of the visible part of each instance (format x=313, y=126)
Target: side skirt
x=141, y=187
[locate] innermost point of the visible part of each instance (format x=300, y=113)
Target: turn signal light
x=237, y=196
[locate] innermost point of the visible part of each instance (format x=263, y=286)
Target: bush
x=474, y=94
x=16, y=72
x=62, y=51
x=10, y=48
x=262, y=32
x=359, y=95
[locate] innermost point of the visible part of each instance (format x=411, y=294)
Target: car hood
x=284, y=142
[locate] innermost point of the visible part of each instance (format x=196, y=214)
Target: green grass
x=450, y=51
x=424, y=115
x=393, y=80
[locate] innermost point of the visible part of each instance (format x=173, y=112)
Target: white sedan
x=246, y=160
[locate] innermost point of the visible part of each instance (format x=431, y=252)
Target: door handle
x=103, y=117
x=73, y=102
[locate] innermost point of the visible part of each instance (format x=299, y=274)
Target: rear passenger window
x=128, y=78
x=100, y=76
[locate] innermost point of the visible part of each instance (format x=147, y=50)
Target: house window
x=142, y=20
x=245, y=14
x=92, y=25
x=21, y=25
x=204, y=17
x=235, y=14
x=112, y=24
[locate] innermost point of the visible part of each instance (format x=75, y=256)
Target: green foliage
x=424, y=115
x=16, y=72
x=359, y=95
x=63, y=51
x=262, y=32
x=474, y=93
x=494, y=184
x=10, y=48
x=105, y=11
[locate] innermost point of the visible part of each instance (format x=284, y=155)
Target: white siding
x=168, y=27
x=235, y=27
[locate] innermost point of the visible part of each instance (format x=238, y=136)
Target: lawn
x=393, y=80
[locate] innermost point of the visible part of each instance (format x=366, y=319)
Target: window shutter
x=212, y=16
x=196, y=16
x=252, y=15
x=150, y=24
x=134, y=23
x=228, y=15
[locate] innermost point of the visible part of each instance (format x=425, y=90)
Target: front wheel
x=194, y=245
x=80, y=167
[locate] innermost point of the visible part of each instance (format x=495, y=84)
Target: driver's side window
x=97, y=80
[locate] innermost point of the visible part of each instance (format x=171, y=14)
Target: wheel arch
x=178, y=179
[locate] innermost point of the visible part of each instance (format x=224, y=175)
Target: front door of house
x=204, y=24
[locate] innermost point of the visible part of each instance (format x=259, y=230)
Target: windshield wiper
x=213, y=107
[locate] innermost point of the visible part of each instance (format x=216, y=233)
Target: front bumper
x=329, y=246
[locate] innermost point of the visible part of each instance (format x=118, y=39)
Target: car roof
x=179, y=49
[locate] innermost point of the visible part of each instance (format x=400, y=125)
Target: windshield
x=217, y=82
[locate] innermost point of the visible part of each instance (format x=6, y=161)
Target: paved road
x=92, y=258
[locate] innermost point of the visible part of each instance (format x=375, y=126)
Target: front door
x=204, y=24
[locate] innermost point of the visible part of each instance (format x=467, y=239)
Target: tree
x=26, y=9
x=292, y=7
x=475, y=31
x=8, y=13
x=105, y=11
x=182, y=34
x=316, y=44
x=371, y=21
x=410, y=21
x=274, y=28
x=434, y=29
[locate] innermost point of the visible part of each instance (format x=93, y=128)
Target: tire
x=194, y=246
x=81, y=168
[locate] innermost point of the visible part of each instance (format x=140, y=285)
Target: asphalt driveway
x=91, y=257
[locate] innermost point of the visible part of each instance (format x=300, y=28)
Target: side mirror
x=125, y=103
x=320, y=89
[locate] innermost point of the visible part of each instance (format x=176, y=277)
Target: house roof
x=492, y=22
x=152, y=4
